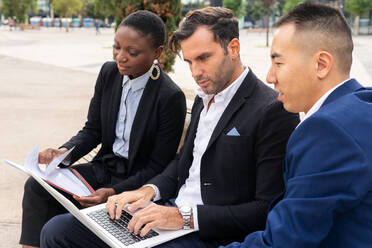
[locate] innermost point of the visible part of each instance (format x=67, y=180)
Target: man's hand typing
x=139, y=198
x=155, y=216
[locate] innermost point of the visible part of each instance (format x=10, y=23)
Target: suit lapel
x=346, y=88
x=240, y=97
x=115, y=102
x=143, y=113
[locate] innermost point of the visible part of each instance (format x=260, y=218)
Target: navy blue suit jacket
x=328, y=178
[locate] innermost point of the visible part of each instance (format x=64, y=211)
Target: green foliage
x=67, y=8
x=255, y=10
x=290, y=4
x=104, y=8
x=268, y=3
x=168, y=10
x=92, y=8
x=237, y=6
x=358, y=7
x=195, y=5
x=19, y=8
x=87, y=10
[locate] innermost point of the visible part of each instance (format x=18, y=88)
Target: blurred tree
x=216, y=3
x=90, y=9
x=67, y=8
x=267, y=5
x=255, y=10
x=357, y=8
x=237, y=6
x=290, y=4
x=191, y=5
x=168, y=10
x=51, y=9
x=87, y=9
x=19, y=9
x=270, y=7
x=104, y=8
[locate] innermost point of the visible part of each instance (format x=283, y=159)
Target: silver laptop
x=113, y=233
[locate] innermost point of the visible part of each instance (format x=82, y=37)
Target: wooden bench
x=185, y=126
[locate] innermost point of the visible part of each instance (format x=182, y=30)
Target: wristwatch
x=186, y=213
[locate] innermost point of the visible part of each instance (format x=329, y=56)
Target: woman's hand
x=99, y=196
x=46, y=156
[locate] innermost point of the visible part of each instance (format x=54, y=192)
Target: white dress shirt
x=190, y=192
x=320, y=102
x=130, y=98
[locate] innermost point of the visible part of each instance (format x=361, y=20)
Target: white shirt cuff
x=157, y=196
x=195, y=218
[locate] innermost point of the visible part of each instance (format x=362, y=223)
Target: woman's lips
x=123, y=68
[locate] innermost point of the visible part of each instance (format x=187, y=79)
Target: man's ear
x=233, y=48
x=324, y=62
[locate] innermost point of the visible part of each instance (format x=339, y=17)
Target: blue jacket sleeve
x=325, y=177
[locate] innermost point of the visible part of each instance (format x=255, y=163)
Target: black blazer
x=156, y=129
x=240, y=175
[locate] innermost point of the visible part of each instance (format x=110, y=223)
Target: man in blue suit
x=328, y=166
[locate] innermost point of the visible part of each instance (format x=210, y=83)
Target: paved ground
x=47, y=79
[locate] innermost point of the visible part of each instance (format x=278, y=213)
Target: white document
x=66, y=179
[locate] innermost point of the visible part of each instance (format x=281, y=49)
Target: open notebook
x=66, y=179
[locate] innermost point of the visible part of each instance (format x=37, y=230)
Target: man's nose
x=196, y=71
x=270, y=77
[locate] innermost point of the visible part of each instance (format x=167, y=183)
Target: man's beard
x=225, y=71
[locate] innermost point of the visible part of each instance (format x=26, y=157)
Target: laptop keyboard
x=118, y=228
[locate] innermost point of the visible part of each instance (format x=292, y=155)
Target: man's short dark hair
x=220, y=21
x=148, y=23
x=330, y=28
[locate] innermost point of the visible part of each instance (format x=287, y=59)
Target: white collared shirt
x=130, y=98
x=320, y=102
x=190, y=192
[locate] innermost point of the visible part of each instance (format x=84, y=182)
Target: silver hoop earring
x=157, y=69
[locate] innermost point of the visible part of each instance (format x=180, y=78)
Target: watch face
x=185, y=209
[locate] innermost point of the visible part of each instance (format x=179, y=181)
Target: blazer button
x=207, y=184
